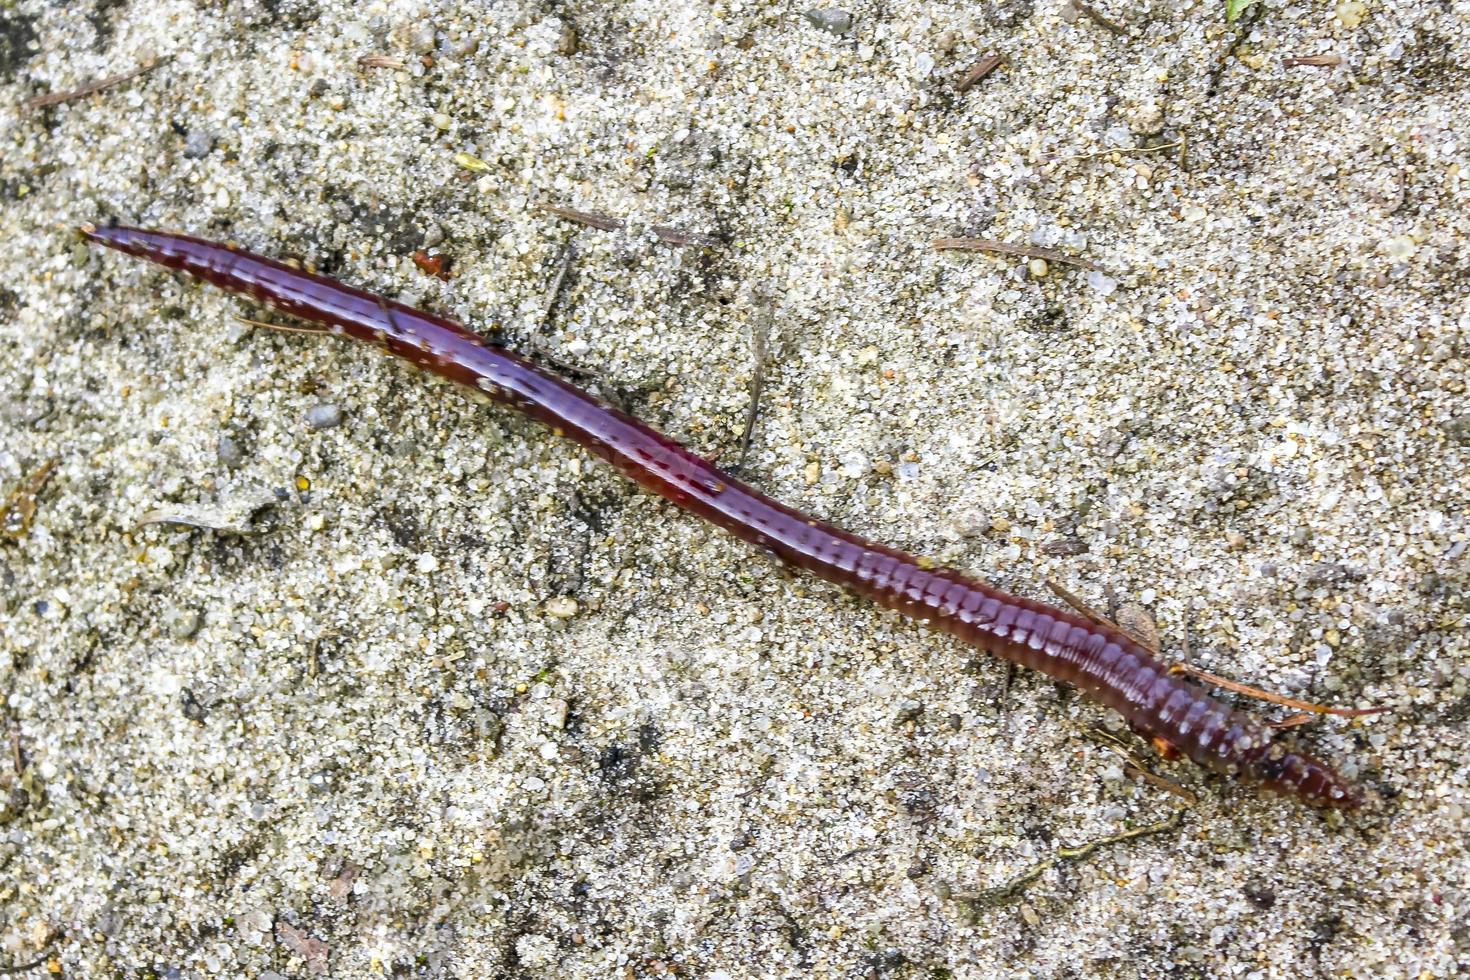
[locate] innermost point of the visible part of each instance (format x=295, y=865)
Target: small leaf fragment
x=1234, y=8
x=20, y=507
x=471, y=162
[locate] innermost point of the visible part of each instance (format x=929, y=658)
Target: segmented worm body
x=1103, y=662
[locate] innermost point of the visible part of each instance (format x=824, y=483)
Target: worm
x=1102, y=662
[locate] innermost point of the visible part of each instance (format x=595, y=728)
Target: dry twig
x=667, y=234
x=678, y=236
x=1096, y=16
x=564, y=266
x=1096, y=616
x=1312, y=61
x=1111, y=741
x=19, y=508
x=1181, y=144
x=27, y=967
x=1151, y=644
x=379, y=60
x=56, y=98
x=1006, y=248
x=975, y=75
x=1281, y=699
x=602, y=222
x=281, y=327
x=760, y=334
x=1012, y=888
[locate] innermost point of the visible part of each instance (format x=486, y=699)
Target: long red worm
x=1106, y=664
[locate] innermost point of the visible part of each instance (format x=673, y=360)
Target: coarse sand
x=310, y=665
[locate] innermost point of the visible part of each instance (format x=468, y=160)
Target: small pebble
x=1038, y=268
x=441, y=121
x=1400, y=248
x=198, y=143
x=323, y=416
x=190, y=706
x=228, y=452
x=561, y=607
x=421, y=38
x=184, y=623
x=556, y=710
x=1102, y=284
x=834, y=20
x=1350, y=13
x=1064, y=547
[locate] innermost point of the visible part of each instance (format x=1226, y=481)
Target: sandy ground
x=430, y=694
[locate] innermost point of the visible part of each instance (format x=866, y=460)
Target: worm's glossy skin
x=1107, y=665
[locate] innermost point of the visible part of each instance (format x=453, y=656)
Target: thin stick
x=1243, y=28
x=56, y=98
x=377, y=60
x=19, y=509
x=1312, y=61
x=1281, y=699
x=678, y=236
x=1154, y=779
x=1012, y=888
x=1229, y=685
x=281, y=327
x=759, y=337
x=982, y=68
x=26, y=967
x=1096, y=16
x=853, y=853
x=1125, y=151
x=1006, y=248
x=568, y=256
x=1111, y=741
x=1005, y=697
x=387, y=311
x=667, y=234
x=1098, y=617
x=602, y=222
